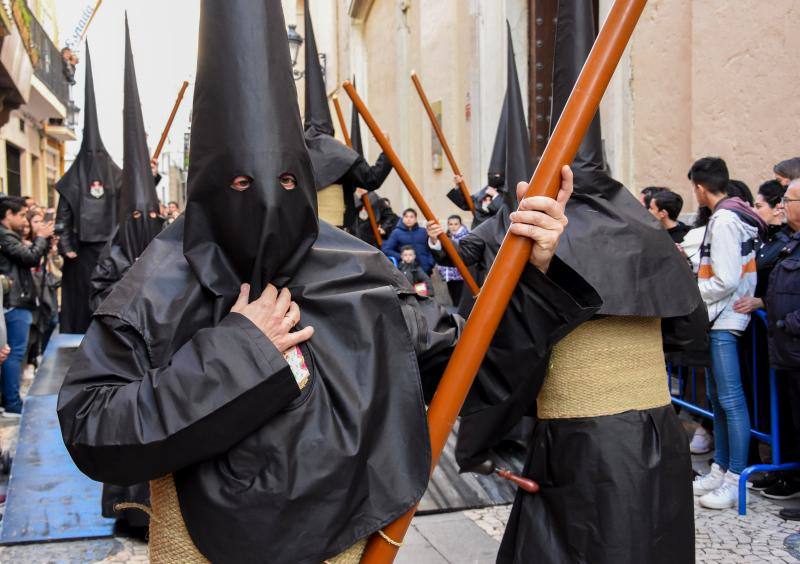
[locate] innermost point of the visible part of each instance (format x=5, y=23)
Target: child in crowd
x=412, y=270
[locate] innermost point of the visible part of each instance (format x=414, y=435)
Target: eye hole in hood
x=288, y=181
x=241, y=183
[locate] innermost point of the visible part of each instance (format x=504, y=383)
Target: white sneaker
x=724, y=497
x=701, y=442
x=710, y=482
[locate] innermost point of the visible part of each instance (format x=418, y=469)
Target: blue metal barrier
x=772, y=438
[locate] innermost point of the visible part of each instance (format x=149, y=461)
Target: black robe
x=167, y=381
x=614, y=489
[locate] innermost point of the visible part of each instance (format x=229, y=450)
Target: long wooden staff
x=365, y=198
x=447, y=244
x=440, y=134
x=171, y=118
x=515, y=252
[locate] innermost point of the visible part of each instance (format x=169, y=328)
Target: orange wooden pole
x=365, y=198
x=515, y=251
x=447, y=244
x=170, y=120
x=440, y=134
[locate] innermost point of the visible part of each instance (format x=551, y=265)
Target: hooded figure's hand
x=275, y=314
x=542, y=220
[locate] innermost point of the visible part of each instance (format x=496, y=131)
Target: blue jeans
x=18, y=325
x=731, y=418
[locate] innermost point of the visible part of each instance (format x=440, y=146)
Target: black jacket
x=415, y=275
x=769, y=253
x=16, y=261
x=783, y=307
x=265, y=472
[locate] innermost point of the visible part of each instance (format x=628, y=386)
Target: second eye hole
x=288, y=181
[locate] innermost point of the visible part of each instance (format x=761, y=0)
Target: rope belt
x=606, y=366
x=330, y=202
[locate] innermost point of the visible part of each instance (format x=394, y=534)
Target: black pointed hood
x=95, y=210
x=318, y=113
x=575, y=35
x=246, y=123
x=496, y=173
x=331, y=158
x=138, y=207
x=511, y=155
x=91, y=128
x=138, y=191
x=355, y=128
x=518, y=165
x=611, y=240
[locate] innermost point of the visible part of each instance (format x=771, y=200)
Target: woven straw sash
x=170, y=542
x=330, y=202
x=606, y=366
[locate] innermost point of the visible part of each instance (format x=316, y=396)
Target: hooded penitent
x=94, y=209
x=607, y=450
x=87, y=214
x=138, y=210
x=331, y=158
x=611, y=239
x=139, y=224
x=495, y=177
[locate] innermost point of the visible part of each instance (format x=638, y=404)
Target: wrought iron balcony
x=48, y=66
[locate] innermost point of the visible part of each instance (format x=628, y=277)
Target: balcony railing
x=49, y=68
x=45, y=56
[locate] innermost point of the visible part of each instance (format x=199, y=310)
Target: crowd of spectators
x=745, y=253
x=30, y=276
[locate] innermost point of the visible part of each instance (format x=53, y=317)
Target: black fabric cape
x=260, y=467
x=138, y=215
x=85, y=221
x=611, y=239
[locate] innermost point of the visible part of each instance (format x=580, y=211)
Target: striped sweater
x=727, y=268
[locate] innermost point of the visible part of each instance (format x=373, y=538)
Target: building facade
x=695, y=81
x=35, y=129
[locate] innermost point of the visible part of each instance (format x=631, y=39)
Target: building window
x=13, y=170
x=22, y=125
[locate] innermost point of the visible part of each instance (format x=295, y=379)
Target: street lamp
x=295, y=42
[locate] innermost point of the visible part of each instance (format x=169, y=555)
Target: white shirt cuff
x=436, y=247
